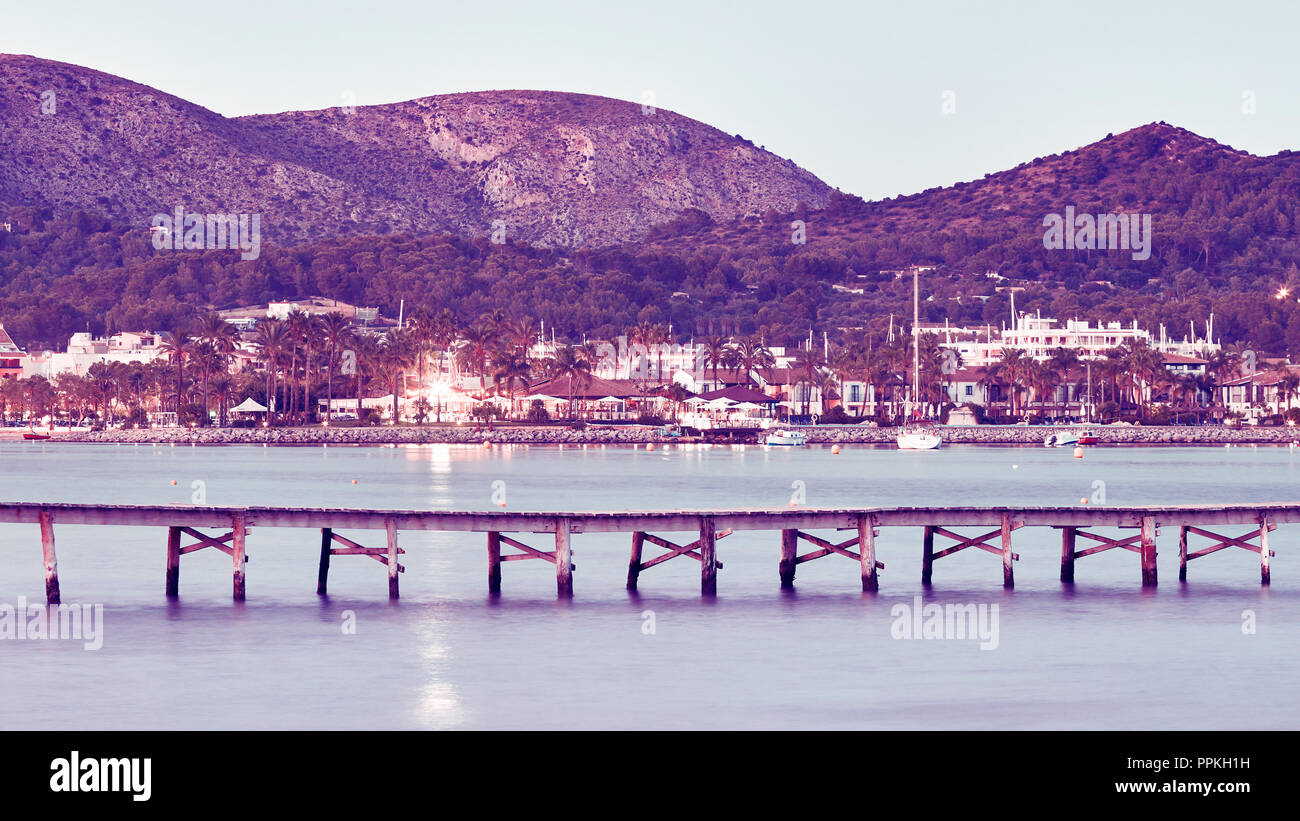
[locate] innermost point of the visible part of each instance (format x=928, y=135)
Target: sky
x=877, y=99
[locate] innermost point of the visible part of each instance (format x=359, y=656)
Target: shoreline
x=526, y=435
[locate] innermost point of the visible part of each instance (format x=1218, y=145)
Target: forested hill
x=1224, y=223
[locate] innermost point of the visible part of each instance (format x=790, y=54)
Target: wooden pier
x=994, y=528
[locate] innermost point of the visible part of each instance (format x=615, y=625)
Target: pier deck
x=709, y=526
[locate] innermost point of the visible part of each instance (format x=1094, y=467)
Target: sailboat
x=916, y=435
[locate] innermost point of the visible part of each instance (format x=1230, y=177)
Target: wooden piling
x=237, y=554
x=1263, y=550
x=173, y=562
x=51, y=560
x=391, y=527
x=1149, y=578
x=708, y=558
x=927, y=555
x=867, y=551
x=634, y=561
x=1008, y=572
x=494, y=562
x=1182, y=553
x=323, y=574
x=789, y=556
x=563, y=559
x=1067, y=554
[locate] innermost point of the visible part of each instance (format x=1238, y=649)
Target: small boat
x=1087, y=439
x=36, y=436
x=786, y=438
x=1061, y=440
x=919, y=438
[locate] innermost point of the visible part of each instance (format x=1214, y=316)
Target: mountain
x=558, y=169
x=614, y=219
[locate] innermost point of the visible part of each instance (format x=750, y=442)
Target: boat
x=1062, y=439
x=786, y=438
x=919, y=437
x=1087, y=439
x=36, y=436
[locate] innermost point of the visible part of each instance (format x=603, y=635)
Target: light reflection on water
x=1104, y=653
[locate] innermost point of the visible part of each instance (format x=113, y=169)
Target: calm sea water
x=1103, y=654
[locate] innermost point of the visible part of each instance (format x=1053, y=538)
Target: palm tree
x=1015, y=367
x=1288, y=386
x=1043, y=378
x=222, y=384
x=273, y=343
x=176, y=346
x=221, y=337
x=575, y=368
x=511, y=370
x=715, y=354
x=397, y=354
x=807, y=364
x=475, y=350
x=313, y=337
x=336, y=334
x=423, y=330
x=752, y=354
x=206, y=359
x=367, y=357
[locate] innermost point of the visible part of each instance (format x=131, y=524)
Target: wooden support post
x=1067, y=554
x=494, y=562
x=1182, y=553
x=1149, y=578
x=927, y=555
x=237, y=554
x=789, y=553
x=51, y=561
x=867, y=549
x=326, y=545
x=391, y=527
x=563, y=560
x=1008, y=573
x=1263, y=550
x=708, y=558
x=634, y=562
x=173, y=562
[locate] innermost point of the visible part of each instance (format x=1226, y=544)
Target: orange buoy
x=487, y=444
x=1078, y=453
x=501, y=503
x=793, y=503
x=354, y=481
x=1083, y=501
x=173, y=481
x=650, y=446
x=835, y=449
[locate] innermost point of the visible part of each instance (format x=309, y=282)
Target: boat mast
x=916, y=344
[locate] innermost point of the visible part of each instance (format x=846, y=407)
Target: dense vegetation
x=1227, y=241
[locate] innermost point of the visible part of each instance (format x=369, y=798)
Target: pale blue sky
x=850, y=90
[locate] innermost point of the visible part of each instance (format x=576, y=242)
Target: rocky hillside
x=558, y=169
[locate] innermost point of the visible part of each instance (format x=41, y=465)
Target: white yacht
x=786, y=438
x=919, y=438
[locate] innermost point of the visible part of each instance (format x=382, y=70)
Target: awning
x=249, y=405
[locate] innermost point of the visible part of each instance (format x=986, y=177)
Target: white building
x=84, y=351
x=1038, y=336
